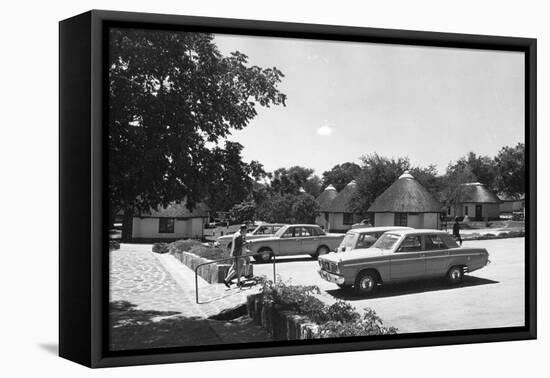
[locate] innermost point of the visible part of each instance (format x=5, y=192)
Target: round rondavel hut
x=341, y=216
x=477, y=202
x=324, y=200
x=406, y=203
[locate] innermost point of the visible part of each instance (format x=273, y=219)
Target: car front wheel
x=455, y=275
x=320, y=251
x=366, y=282
x=264, y=255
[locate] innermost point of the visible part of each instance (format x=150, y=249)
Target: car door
x=309, y=240
x=289, y=243
x=436, y=254
x=408, y=260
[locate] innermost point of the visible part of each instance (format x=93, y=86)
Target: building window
x=400, y=219
x=465, y=210
x=166, y=225
x=449, y=211
x=348, y=218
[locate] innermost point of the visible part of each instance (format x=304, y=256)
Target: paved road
x=153, y=304
x=490, y=297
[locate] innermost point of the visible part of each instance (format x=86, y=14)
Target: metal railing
x=235, y=259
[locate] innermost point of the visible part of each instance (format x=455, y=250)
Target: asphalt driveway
x=488, y=298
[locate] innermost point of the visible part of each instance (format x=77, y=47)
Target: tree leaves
x=173, y=101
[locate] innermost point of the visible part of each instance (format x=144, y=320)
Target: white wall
x=336, y=222
x=183, y=228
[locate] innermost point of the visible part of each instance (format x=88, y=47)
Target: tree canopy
x=173, y=101
x=510, y=167
x=340, y=175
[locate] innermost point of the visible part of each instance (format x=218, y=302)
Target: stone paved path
x=155, y=297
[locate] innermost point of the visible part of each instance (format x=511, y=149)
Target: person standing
x=237, y=245
x=456, y=231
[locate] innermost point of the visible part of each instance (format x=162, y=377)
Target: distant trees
x=291, y=180
x=290, y=196
x=378, y=173
x=280, y=198
x=340, y=175
x=510, y=168
x=243, y=212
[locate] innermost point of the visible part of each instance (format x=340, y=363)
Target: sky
x=346, y=100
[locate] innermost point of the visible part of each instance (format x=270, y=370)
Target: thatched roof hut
x=406, y=195
x=476, y=192
x=341, y=203
x=326, y=197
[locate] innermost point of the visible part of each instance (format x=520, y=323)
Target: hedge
x=294, y=312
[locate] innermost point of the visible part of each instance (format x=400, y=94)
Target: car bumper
x=331, y=277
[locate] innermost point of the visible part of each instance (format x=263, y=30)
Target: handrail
x=237, y=267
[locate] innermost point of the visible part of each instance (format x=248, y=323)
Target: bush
x=113, y=245
x=370, y=324
x=337, y=320
x=183, y=245
x=160, y=248
x=209, y=253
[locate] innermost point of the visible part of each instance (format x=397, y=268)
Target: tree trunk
x=127, y=223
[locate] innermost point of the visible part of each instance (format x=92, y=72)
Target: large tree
x=291, y=180
x=173, y=100
x=510, y=167
x=340, y=175
x=452, y=188
x=378, y=173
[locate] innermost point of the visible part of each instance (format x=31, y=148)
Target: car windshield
x=386, y=241
x=349, y=240
x=280, y=232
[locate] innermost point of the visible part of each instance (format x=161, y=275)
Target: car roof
x=303, y=225
x=378, y=229
x=413, y=231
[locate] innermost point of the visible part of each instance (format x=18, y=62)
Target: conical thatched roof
x=406, y=195
x=476, y=192
x=326, y=197
x=340, y=204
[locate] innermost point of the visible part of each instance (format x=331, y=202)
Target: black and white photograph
x=265, y=189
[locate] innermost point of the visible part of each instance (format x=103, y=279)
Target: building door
x=478, y=211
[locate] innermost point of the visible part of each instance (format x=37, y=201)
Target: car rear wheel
x=455, y=275
x=320, y=251
x=366, y=282
x=264, y=255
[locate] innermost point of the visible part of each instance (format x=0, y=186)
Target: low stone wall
x=282, y=325
x=212, y=273
x=496, y=235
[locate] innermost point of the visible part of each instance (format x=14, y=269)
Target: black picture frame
x=83, y=260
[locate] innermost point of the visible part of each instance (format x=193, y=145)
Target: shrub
x=370, y=324
x=210, y=253
x=160, y=248
x=337, y=320
x=183, y=245
x=113, y=245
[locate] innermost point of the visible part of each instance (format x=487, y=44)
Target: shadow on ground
x=281, y=260
x=393, y=290
x=133, y=328
x=51, y=348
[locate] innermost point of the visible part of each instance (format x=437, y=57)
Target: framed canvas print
x=234, y=188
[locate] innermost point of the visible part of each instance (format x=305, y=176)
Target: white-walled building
x=477, y=202
x=175, y=221
x=337, y=214
x=324, y=200
x=406, y=203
